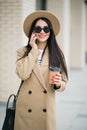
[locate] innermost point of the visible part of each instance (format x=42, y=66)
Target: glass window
x=41, y=4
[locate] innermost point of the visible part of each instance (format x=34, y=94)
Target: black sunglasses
x=38, y=29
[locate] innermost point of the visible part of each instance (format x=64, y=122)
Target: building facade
x=72, y=37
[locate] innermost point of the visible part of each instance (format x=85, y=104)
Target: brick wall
x=28, y=7
x=12, y=14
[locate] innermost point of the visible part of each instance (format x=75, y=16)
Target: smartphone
x=36, y=41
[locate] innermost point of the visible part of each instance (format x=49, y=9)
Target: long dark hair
x=56, y=56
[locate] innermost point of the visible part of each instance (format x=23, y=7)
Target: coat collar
x=38, y=69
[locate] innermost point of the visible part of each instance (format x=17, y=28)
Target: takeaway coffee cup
x=52, y=71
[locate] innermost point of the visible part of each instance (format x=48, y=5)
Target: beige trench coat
x=35, y=107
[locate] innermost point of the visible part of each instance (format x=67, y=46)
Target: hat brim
x=42, y=13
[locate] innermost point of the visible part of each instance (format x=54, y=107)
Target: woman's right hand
x=32, y=41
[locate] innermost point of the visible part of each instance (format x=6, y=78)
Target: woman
x=35, y=107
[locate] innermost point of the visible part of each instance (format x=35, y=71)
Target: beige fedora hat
x=41, y=13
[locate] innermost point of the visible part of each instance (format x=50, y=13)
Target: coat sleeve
x=63, y=83
x=24, y=66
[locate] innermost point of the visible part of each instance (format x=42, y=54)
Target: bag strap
x=12, y=95
x=15, y=97
x=14, y=102
x=19, y=89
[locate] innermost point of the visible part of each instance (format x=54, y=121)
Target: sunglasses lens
x=37, y=29
x=46, y=29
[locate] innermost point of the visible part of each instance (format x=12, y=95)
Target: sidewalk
x=71, y=105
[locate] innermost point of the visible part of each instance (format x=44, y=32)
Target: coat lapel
x=42, y=69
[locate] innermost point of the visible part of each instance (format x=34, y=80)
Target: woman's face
x=42, y=31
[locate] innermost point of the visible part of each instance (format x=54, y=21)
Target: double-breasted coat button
x=45, y=91
x=29, y=110
x=44, y=110
x=30, y=92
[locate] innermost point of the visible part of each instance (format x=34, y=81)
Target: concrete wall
x=72, y=37
x=61, y=8
x=78, y=34
x=86, y=32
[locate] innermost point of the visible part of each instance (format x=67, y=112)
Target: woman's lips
x=42, y=36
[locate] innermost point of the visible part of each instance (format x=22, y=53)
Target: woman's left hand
x=56, y=79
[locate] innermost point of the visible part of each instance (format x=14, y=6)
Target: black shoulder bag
x=10, y=111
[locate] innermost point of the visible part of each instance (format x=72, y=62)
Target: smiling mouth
x=42, y=36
